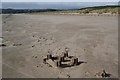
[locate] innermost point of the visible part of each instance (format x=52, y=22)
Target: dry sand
x=93, y=39
x=0, y=47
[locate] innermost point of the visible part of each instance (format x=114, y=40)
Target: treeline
x=14, y=11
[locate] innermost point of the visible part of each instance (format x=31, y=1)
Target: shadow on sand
x=71, y=65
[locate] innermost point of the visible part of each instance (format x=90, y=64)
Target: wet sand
x=93, y=39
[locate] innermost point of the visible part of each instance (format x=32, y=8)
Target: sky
x=60, y=0
x=53, y=5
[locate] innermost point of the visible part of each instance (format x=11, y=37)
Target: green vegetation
x=97, y=9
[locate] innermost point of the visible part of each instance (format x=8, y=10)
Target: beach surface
x=27, y=39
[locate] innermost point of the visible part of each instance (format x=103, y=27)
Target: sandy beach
x=93, y=39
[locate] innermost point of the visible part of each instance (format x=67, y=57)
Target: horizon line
x=61, y=2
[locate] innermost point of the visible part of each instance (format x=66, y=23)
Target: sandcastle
x=63, y=60
x=102, y=74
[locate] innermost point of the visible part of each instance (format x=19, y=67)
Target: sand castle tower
x=58, y=63
x=66, y=52
x=75, y=61
x=49, y=55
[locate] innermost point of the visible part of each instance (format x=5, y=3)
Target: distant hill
x=16, y=11
x=96, y=9
x=101, y=7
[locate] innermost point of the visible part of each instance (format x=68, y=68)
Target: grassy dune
x=97, y=9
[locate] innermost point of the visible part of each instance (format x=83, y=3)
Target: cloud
x=60, y=0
